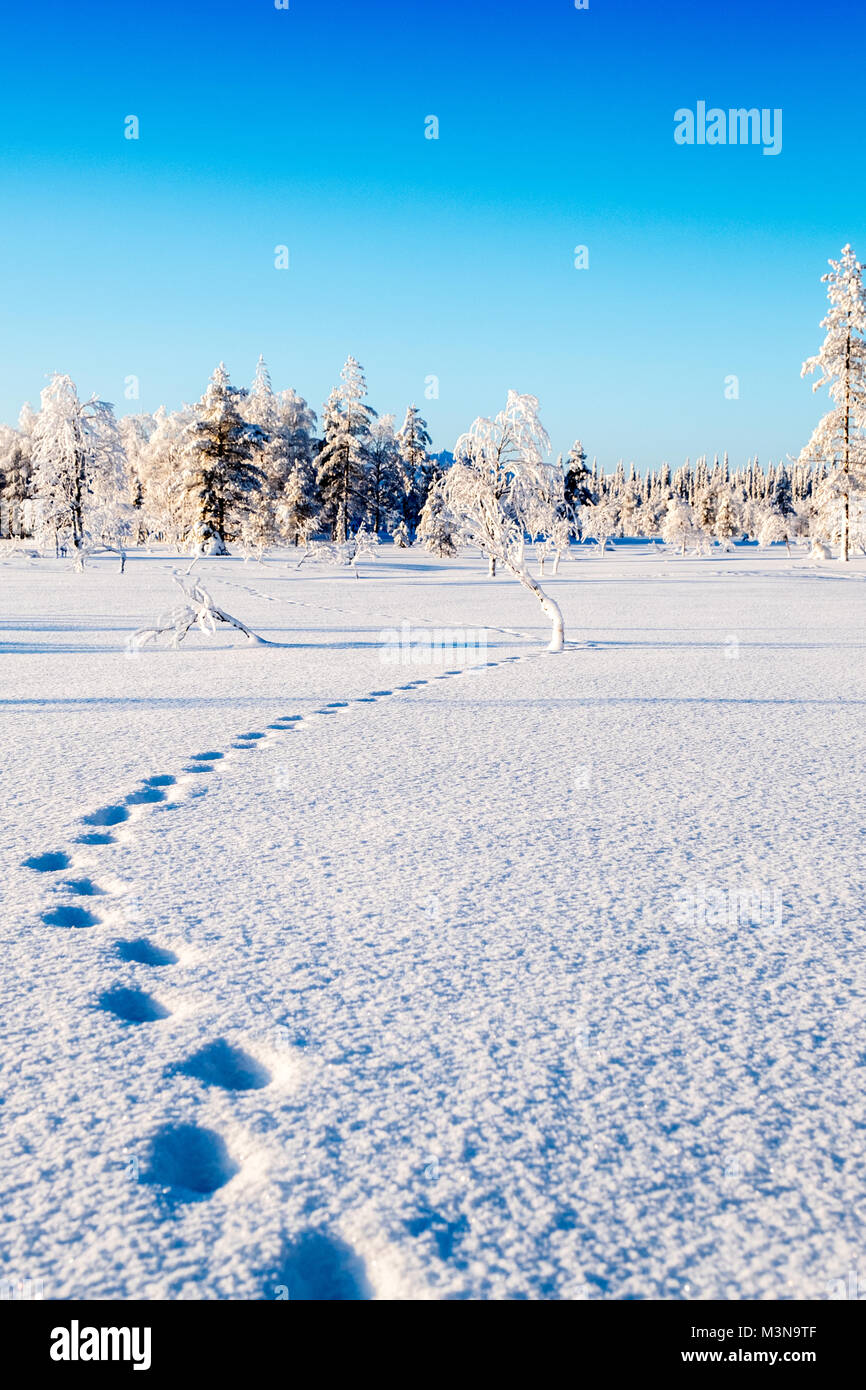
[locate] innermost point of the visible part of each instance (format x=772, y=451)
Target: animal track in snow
x=188, y=1162
x=221, y=1064
x=318, y=1267
x=82, y=888
x=145, y=796
x=144, y=952
x=69, y=916
x=132, y=1005
x=107, y=815
x=48, y=863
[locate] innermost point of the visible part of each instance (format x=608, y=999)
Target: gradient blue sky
x=451, y=257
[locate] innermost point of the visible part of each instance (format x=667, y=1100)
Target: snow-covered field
x=348, y=979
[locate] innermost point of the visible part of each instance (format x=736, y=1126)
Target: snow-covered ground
x=353, y=980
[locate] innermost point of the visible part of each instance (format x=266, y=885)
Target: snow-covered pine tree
x=839, y=439
x=220, y=480
x=342, y=471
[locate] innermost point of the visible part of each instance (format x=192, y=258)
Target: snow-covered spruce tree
x=342, y=471
x=578, y=479
x=435, y=524
x=78, y=463
x=705, y=507
x=499, y=466
x=839, y=438
x=259, y=407
x=285, y=456
x=384, y=474
x=416, y=467
x=298, y=432
x=726, y=526
x=219, y=477
x=400, y=535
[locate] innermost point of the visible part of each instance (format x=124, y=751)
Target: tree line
x=250, y=466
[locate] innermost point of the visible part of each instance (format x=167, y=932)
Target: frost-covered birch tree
x=15, y=471
x=839, y=438
x=500, y=467
x=79, y=474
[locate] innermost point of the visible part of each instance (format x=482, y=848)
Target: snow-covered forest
x=255, y=467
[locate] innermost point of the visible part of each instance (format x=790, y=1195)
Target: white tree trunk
x=548, y=607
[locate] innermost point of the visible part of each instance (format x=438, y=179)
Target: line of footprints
x=186, y=1162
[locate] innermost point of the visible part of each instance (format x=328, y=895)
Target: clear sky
x=451, y=257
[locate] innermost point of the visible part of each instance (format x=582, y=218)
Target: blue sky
x=452, y=257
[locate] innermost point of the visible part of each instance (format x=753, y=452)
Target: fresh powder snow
x=347, y=967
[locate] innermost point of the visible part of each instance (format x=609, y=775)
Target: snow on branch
x=198, y=610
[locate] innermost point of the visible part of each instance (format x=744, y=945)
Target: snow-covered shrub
x=678, y=524
x=436, y=525
x=197, y=610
